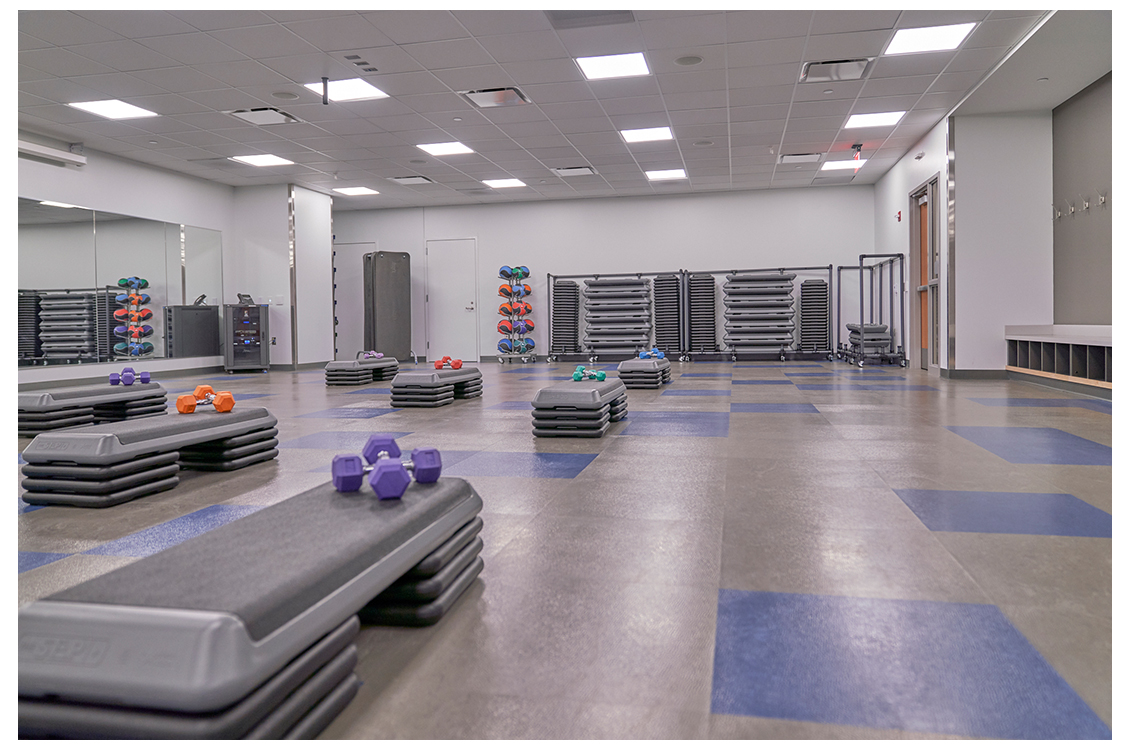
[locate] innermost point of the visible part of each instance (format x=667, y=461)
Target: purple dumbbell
x=388, y=475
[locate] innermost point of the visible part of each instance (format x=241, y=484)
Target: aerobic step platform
x=579, y=408
x=645, y=373
x=205, y=638
x=102, y=465
x=72, y=406
x=430, y=388
x=361, y=371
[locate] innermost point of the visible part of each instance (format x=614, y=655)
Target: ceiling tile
x=697, y=100
x=760, y=96
x=181, y=79
x=124, y=55
x=897, y=85
x=616, y=39
x=569, y=126
x=698, y=116
x=530, y=45
x=847, y=46
x=263, y=42
x=867, y=105
x=981, y=58
x=571, y=110
x=170, y=104
x=814, y=92
x=754, y=25
x=927, y=63
x=709, y=28
x=956, y=81
x=340, y=33
x=137, y=23
x=916, y=18
x=424, y=103
x=62, y=63
x=714, y=57
x=63, y=90
x=455, y=53
x=547, y=93
x=764, y=75
x=1000, y=32
x=484, y=22
x=224, y=99
x=411, y=26
x=699, y=80
x=634, y=105
x=832, y=21
x=474, y=77
x=250, y=73
x=544, y=71
x=63, y=28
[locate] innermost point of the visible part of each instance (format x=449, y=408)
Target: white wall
x=313, y=262
x=753, y=229
x=136, y=247
x=54, y=256
x=1003, y=232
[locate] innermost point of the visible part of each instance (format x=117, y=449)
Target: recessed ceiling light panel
x=504, y=97
x=444, y=149
x=874, y=120
x=667, y=174
x=114, y=109
x=356, y=191
x=262, y=160
x=614, y=66
x=929, y=39
x=642, y=135
x=842, y=164
x=349, y=90
x=504, y=183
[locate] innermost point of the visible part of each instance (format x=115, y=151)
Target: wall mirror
x=71, y=259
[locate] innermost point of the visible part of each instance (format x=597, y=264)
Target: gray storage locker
x=388, y=304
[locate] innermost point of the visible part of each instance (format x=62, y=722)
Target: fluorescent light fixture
x=613, y=66
x=504, y=183
x=647, y=134
x=56, y=204
x=666, y=174
x=356, y=191
x=350, y=90
x=115, y=109
x=843, y=164
x=874, y=120
x=262, y=160
x=444, y=149
x=929, y=39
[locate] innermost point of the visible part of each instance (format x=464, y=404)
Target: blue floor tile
x=171, y=533
x=541, y=368
x=346, y=412
x=546, y=378
x=245, y=396
x=20, y=458
x=373, y=392
x=678, y=424
x=861, y=387
x=691, y=392
x=344, y=441
x=32, y=560
x=1093, y=404
x=853, y=377
x=706, y=375
x=762, y=382
x=919, y=666
x=27, y=507
x=506, y=464
x=775, y=408
x=786, y=365
x=1007, y=513
x=1037, y=445
x=513, y=406
x=809, y=374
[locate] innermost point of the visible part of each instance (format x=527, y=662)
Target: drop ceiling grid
x=192, y=65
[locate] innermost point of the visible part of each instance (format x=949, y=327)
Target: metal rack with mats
x=871, y=339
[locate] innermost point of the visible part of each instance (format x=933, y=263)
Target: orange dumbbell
x=203, y=396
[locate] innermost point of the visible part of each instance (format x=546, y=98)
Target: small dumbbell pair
x=389, y=475
x=128, y=376
x=653, y=354
x=582, y=372
x=455, y=364
x=203, y=395
x=369, y=355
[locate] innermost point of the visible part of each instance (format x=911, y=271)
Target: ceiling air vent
x=580, y=19
x=264, y=116
x=798, y=158
x=504, y=97
x=835, y=70
x=573, y=171
x=412, y=180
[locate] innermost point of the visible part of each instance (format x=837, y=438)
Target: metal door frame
x=929, y=191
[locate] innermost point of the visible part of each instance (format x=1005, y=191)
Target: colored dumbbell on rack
x=203, y=395
x=455, y=364
x=128, y=376
x=582, y=372
x=369, y=355
x=653, y=354
x=388, y=473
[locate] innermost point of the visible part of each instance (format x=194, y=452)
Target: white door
x=452, y=318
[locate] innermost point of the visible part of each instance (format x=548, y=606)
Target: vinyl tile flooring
x=797, y=550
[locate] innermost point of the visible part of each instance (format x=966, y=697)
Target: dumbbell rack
x=134, y=347
x=516, y=344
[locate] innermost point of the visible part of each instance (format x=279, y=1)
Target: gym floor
x=801, y=550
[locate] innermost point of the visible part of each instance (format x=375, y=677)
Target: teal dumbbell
x=582, y=372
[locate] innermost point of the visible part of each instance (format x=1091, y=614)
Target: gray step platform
x=645, y=373
x=302, y=687
x=427, y=613
x=198, y=627
x=45, y=410
x=579, y=394
x=361, y=371
x=568, y=409
x=431, y=388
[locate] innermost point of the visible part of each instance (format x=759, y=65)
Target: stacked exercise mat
x=815, y=316
x=870, y=338
x=566, y=323
x=668, y=318
x=102, y=465
x=432, y=388
x=645, y=372
x=515, y=325
x=247, y=630
x=701, y=292
x=617, y=315
x=131, y=318
x=27, y=309
x=579, y=408
x=759, y=312
x=366, y=368
x=75, y=406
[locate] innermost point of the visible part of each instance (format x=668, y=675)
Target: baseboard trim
x=974, y=374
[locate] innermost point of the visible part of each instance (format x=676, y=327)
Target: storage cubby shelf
x=1076, y=354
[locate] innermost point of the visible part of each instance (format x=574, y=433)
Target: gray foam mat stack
x=353, y=372
x=617, y=315
x=815, y=316
x=584, y=408
x=645, y=373
x=566, y=324
x=68, y=324
x=667, y=313
x=75, y=406
x=432, y=388
x=426, y=592
x=759, y=312
x=702, y=293
x=876, y=339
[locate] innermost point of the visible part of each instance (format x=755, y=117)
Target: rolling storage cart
x=871, y=339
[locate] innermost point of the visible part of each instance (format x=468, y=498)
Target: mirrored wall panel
x=99, y=287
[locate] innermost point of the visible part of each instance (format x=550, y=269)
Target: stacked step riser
x=617, y=315
x=759, y=312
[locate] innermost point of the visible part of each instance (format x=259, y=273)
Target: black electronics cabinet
x=247, y=341
x=192, y=330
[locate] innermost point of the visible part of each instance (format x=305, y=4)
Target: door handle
x=468, y=308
